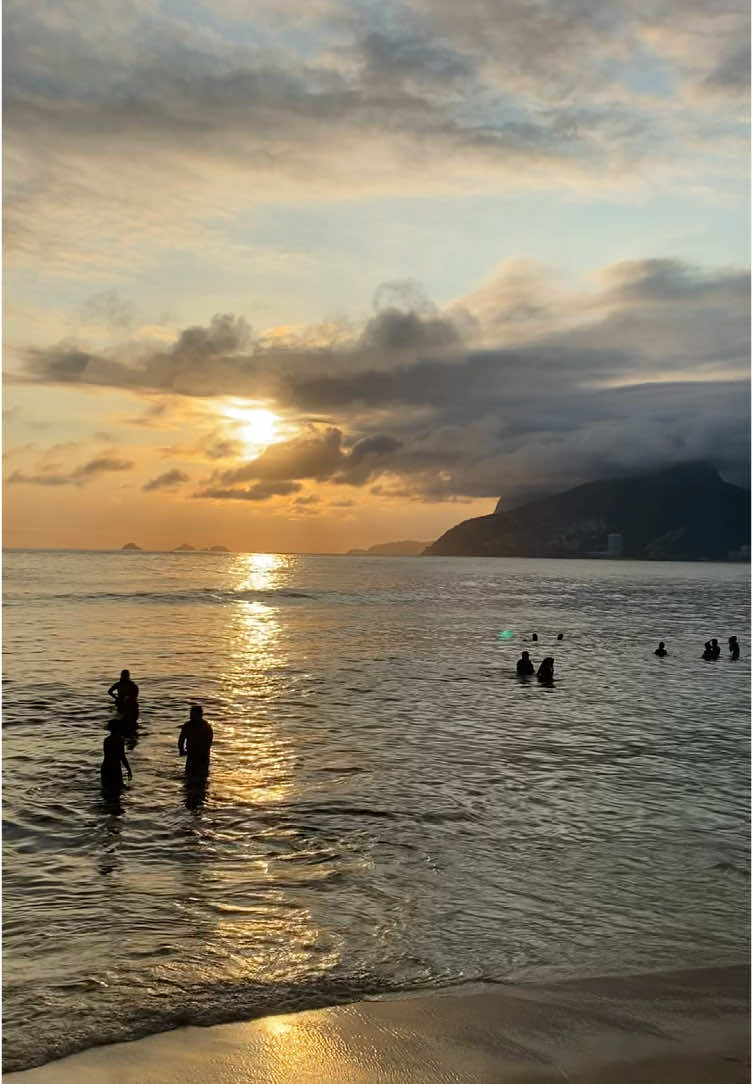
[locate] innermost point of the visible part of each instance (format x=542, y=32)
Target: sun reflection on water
x=263, y=762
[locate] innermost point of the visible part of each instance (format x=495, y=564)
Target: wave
x=208, y=595
x=200, y=1006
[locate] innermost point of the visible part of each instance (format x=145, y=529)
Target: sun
x=256, y=427
x=259, y=427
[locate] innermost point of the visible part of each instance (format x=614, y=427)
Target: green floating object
x=506, y=634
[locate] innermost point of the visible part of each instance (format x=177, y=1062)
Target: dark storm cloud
x=318, y=455
x=647, y=369
x=168, y=480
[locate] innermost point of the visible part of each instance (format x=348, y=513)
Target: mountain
x=184, y=548
x=684, y=513
x=390, y=549
x=130, y=546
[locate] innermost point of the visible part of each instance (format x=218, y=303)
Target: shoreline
x=661, y=1027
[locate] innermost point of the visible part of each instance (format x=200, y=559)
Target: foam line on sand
x=682, y=1027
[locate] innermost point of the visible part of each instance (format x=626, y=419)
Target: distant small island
x=219, y=549
x=391, y=549
x=130, y=546
x=184, y=548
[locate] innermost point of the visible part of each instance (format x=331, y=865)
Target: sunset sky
x=310, y=276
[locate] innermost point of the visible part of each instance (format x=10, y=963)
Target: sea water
x=388, y=806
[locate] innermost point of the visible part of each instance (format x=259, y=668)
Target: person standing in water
x=715, y=649
x=708, y=652
x=114, y=756
x=195, y=741
x=734, y=648
x=661, y=650
x=125, y=693
x=545, y=672
x=524, y=667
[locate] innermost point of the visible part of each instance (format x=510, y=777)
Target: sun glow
x=256, y=426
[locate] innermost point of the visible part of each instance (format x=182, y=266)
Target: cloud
x=107, y=307
x=20, y=478
x=168, y=480
x=318, y=454
x=50, y=474
x=99, y=465
x=522, y=383
x=261, y=491
x=421, y=95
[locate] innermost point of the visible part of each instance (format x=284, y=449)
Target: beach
x=683, y=1026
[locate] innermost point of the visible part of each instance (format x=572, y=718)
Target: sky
x=312, y=276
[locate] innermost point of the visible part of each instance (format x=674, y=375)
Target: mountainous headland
x=682, y=513
x=390, y=549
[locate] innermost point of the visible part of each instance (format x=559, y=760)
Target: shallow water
x=388, y=805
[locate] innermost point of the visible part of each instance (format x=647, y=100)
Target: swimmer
x=716, y=650
x=195, y=741
x=534, y=637
x=661, y=650
x=560, y=636
x=734, y=648
x=114, y=750
x=524, y=665
x=708, y=652
x=545, y=672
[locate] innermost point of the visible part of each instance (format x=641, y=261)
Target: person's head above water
x=534, y=636
x=560, y=636
x=661, y=643
x=524, y=655
x=197, y=713
x=125, y=675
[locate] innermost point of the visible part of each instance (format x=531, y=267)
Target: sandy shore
x=683, y=1027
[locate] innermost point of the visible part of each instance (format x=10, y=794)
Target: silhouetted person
x=734, y=648
x=125, y=693
x=534, y=636
x=545, y=672
x=661, y=650
x=715, y=649
x=524, y=665
x=114, y=750
x=560, y=636
x=195, y=741
x=708, y=652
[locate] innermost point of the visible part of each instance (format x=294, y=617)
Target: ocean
x=388, y=808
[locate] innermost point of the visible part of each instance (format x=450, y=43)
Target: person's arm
x=182, y=742
x=110, y=690
x=124, y=758
x=210, y=735
x=135, y=691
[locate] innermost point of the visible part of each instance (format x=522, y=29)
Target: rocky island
x=130, y=546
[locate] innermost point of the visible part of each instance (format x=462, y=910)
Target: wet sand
x=683, y=1027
